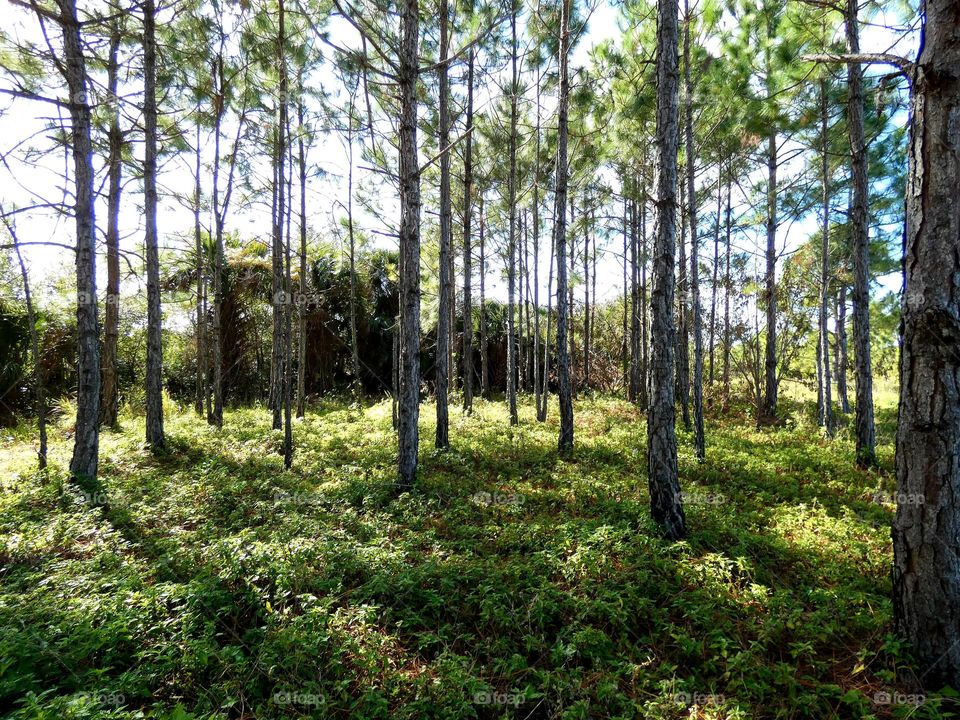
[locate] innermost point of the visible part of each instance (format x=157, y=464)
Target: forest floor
x=209, y=582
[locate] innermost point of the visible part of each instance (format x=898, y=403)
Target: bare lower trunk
x=484, y=347
x=302, y=305
x=826, y=401
x=38, y=386
x=713, y=276
x=512, y=239
x=770, y=285
x=467, y=358
x=111, y=314
x=665, y=501
x=682, y=337
x=636, y=381
x=926, y=572
x=699, y=442
x=726, y=301
x=203, y=387
x=154, y=380
x=565, y=441
x=86, y=440
x=442, y=439
x=644, y=380
x=841, y=349
x=542, y=412
x=356, y=380
x=409, y=403
x=859, y=244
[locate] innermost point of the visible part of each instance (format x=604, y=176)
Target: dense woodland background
x=480, y=359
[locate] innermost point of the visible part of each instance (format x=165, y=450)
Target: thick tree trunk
x=699, y=442
x=111, y=313
x=409, y=403
x=467, y=248
x=442, y=439
x=86, y=440
x=565, y=441
x=154, y=379
x=826, y=401
x=860, y=249
x=926, y=573
x=665, y=500
x=769, y=410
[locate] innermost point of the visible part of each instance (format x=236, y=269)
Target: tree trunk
x=726, y=298
x=860, y=249
x=635, y=334
x=34, y=351
x=542, y=413
x=665, y=500
x=442, y=439
x=926, y=573
x=467, y=249
x=644, y=380
x=586, y=298
x=841, y=349
x=484, y=346
x=111, y=314
x=565, y=442
x=86, y=439
x=626, y=347
x=713, y=275
x=357, y=381
x=770, y=290
x=826, y=401
x=682, y=337
x=409, y=404
x=302, y=305
x=512, y=240
x=154, y=379
x=203, y=386
x=699, y=442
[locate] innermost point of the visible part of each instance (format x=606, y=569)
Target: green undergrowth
x=208, y=582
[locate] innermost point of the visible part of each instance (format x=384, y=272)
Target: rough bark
x=926, y=573
x=665, y=500
x=154, y=378
x=859, y=246
x=409, y=402
x=565, y=441
x=86, y=439
x=111, y=314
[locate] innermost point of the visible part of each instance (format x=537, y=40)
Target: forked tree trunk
x=926, y=573
x=409, y=402
x=111, y=313
x=665, y=501
x=154, y=380
x=86, y=440
x=565, y=441
x=442, y=439
x=860, y=249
